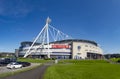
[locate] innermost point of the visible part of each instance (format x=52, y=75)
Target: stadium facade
x=52, y=43
x=64, y=49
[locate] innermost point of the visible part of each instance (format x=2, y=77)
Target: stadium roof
x=63, y=41
x=76, y=40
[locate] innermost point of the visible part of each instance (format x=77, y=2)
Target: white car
x=13, y=65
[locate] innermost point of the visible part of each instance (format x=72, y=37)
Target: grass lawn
x=32, y=60
x=83, y=69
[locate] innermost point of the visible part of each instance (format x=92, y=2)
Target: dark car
x=5, y=61
x=24, y=64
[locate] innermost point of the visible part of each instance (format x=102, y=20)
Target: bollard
x=56, y=61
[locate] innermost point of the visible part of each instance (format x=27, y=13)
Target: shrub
x=118, y=60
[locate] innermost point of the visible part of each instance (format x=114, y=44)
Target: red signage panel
x=60, y=46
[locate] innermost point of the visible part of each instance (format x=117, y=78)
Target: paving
x=36, y=73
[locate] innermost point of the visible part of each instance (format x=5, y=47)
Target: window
x=78, y=53
x=78, y=48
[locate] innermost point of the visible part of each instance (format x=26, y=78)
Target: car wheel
x=21, y=67
x=13, y=67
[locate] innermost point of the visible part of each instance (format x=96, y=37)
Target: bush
x=50, y=58
x=47, y=58
x=118, y=60
x=54, y=58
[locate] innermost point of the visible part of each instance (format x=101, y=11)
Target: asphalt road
x=36, y=73
x=4, y=69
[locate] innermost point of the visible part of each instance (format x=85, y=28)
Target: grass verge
x=85, y=69
x=31, y=60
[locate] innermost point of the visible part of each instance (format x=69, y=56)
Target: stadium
x=65, y=49
x=52, y=43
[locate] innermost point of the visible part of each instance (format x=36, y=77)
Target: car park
x=14, y=65
x=24, y=64
x=5, y=61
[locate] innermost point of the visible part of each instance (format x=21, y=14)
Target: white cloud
x=14, y=8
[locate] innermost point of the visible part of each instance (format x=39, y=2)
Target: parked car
x=13, y=65
x=24, y=64
x=5, y=61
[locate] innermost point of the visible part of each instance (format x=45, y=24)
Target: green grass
x=82, y=61
x=32, y=60
x=83, y=69
x=115, y=59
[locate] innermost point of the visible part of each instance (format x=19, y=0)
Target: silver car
x=13, y=65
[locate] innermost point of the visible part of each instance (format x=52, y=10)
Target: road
x=36, y=73
x=4, y=69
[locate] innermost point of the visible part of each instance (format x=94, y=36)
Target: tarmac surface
x=36, y=73
x=4, y=69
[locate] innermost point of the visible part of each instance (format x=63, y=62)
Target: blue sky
x=98, y=20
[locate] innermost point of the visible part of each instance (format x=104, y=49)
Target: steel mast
x=48, y=40
x=45, y=28
x=47, y=34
